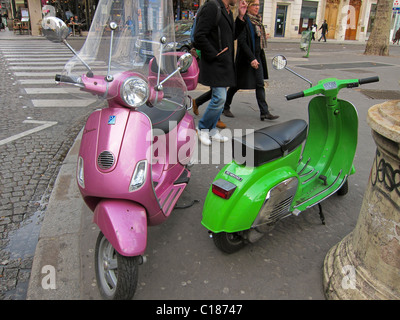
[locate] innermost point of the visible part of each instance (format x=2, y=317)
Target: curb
x=56, y=272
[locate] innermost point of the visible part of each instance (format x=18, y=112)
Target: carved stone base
x=366, y=263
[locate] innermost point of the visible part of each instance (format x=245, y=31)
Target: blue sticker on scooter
x=111, y=119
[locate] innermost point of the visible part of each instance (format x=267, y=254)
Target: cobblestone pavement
x=34, y=139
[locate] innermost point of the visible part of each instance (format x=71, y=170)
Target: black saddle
x=161, y=118
x=271, y=142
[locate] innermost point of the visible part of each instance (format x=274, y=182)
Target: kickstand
x=187, y=205
x=321, y=214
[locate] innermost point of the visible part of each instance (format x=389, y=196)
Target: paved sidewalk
x=59, y=243
x=182, y=262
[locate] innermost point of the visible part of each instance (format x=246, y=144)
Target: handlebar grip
x=295, y=95
x=368, y=80
x=68, y=79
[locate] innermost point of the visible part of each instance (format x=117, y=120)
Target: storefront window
x=308, y=15
x=186, y=9
x=82, y=9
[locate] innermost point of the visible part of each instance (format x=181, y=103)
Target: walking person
x=217, y=68
x=251, y=64
x=3, y=22
x=324, y=29
x=313, y=31
x=203, y=98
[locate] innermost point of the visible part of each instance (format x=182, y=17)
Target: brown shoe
x=195, y=107
x=221, y=125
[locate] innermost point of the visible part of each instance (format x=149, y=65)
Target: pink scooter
x=132, y=164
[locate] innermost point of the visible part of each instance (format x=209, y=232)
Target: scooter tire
x=118, y=282
x=228, y=242
x=344, y=189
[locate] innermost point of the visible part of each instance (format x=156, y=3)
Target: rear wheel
x=116, y=275
x=228, y=242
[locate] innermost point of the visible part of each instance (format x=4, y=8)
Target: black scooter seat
x=161, y=118
x=272, y=142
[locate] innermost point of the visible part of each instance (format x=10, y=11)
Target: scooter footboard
x=124, y=224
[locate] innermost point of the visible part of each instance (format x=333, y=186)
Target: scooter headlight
x=139, y=176
x=135, y=91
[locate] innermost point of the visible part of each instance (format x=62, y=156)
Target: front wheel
x=116, y=275
x=228, y=242
x=344, y=189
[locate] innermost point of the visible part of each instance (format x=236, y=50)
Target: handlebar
x=68, y=79
x=368, y=80
x=336, y=85
x=295, y=95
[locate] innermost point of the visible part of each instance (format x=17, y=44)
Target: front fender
x=124, y=224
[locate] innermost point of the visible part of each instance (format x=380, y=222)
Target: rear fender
x=124, y=224
x=240, y=211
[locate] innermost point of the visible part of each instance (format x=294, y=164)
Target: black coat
x=246, y=53
x=216, y=71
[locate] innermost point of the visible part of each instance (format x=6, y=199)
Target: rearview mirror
x=279, y=62
x=184, y=62
x=54, y=29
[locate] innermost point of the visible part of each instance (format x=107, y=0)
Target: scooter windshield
x=129, y=39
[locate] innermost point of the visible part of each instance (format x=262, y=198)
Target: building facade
x=346, y=19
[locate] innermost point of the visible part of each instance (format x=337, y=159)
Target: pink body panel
x=124, y=224
x=127, y=135
x=190, y=77
x=129, y=140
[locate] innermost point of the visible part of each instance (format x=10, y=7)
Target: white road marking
x=44, y=125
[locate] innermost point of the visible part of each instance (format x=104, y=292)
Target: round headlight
x=135, y=91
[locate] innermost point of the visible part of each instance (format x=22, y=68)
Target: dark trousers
x=260, y=92
x=203, y=98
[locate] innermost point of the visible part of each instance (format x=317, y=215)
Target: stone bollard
x=365, y=265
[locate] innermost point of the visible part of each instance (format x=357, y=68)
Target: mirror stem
x=90, y=72
x=109, y=76
x=300, y=76
x=159, y=87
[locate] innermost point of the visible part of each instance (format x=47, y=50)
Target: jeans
x=214, y=110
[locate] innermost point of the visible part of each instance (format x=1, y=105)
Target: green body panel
x=329, y=151
x=326, y=162
x=239, y=212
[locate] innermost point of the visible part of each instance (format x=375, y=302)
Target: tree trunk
x=378, y=42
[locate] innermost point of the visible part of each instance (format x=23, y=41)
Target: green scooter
x=272, y=177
